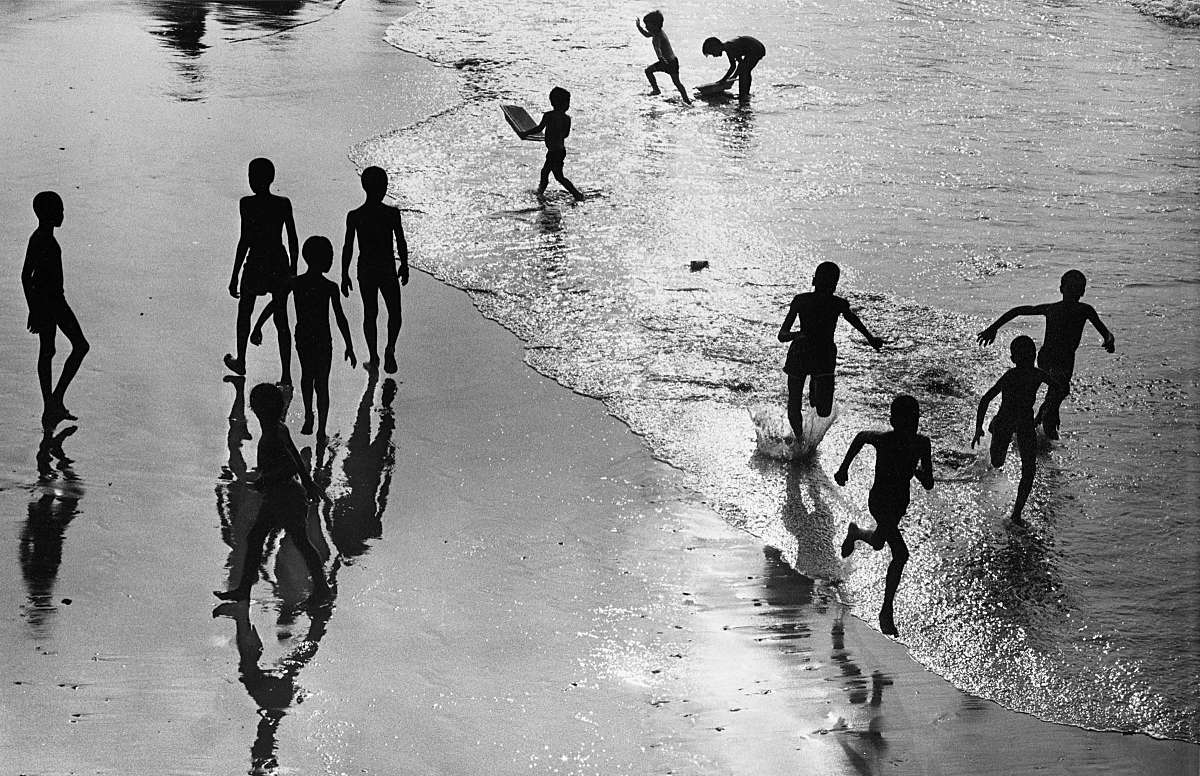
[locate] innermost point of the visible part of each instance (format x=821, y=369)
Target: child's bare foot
x=235, y=365
x=233, y=595
x=654, y=92
x=851, y=538
x=256, y=337
x=886, y=624
x=389, y=362
x=308, y=423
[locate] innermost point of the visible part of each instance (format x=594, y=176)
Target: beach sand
x=538, y=595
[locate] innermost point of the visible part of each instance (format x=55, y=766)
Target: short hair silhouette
x=906, y=413
x=318, y=252
x=266, y=401
x=653, y=19
x=560, y=98
x=46, y=203
x=261, y=173
x=826, y=276
x=375, y=182
x=1023, y=350
x=712, y=47
x=1073, y=284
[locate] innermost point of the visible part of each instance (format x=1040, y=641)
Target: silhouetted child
x=1018, y=388
x=381, y=244
x=900, y=455
x=268, y=266
x=557, y=126
x=813, y=354
x=286, y=487
x=42, y=280
x=1064, y=329
x=744, y=53
x=313, y=294
x=667, y=61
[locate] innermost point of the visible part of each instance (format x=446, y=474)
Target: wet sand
x=521, y=588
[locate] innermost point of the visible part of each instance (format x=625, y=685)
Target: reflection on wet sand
x=861, y=736
x=54, y=505
x=356, y=515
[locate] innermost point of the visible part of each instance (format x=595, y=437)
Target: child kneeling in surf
x=900, y=455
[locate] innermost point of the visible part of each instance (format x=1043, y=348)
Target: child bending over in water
x=900, y=455
x=557, y=126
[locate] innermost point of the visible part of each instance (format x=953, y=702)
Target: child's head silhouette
x=266, y=401
x=1023, y=351
x=653, y=20
x=906, y=413
x=712, y=47
x=1073, y=284
x=48, y=207
x=826, y=277
x=262, y=175
x=560, y=98
x=318, y=253
x=375, y=183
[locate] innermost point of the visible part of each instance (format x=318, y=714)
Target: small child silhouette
x=557, y=127
x=744, y=53
x=813, y=354
x=1017, y=389
x=667, y=61
x=42, y=281
x=1064, y=329
x=313, y=294
x=268, y=267
x=381, y=243
x=900, y=455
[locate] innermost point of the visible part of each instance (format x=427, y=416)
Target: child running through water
x=268, y=267
x=1018, y=389
x=667, y=61
x=1064, y=329
x=381, y=244
x=900, y=455
x=813, y=354
x=286, y=490
x=557, y=127
x=42, y=281
x=313, y=294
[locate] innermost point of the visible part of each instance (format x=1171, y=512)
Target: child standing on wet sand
x=1064, y=329
x=313, y=295
x=1018, y=389
x=268, y=267
x=900, y=455
x=42, y=281
x=813, y=354
x=557, y=126
x=381, y=244
x=287, y=489
x=667, y=61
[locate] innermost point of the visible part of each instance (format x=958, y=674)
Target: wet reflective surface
x=954, y=163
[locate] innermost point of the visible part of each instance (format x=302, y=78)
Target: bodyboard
x=718, y=87
x=519, y=119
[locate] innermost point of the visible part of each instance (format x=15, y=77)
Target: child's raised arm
x=638, y=22
x=343, y=326
x=988, y=335
x=852, y=319
x=983, y=405
x=347, y=253
x=401, y=249
x=843, y=472
x=1110, y=344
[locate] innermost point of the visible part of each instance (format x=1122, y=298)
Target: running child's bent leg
x=650, y=71
x=1027, y=447
x=1001, y=438
x=69, y=324
x=895, y=540
x=795, y=404
x=820, y=394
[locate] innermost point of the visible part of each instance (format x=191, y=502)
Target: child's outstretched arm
x=988, y=335
x=347, y=253
x=640, y=29
x=852, y=319
x=401, y=249
x=1110, y=344
x=289, y=224
x=983, y=405
x=534, y=130
x=344, y=327
x=925, y=465
x=843, y=472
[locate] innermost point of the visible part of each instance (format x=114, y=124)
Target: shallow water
x=955, y=159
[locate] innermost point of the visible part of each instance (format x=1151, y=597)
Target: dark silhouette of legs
x=650, y=71
x=287, y=508
x=795, y=405
x=554, y=164
x=285, y=336
x=321, y=385
x=820, y=394
x=1027, y=447
x=307, y=385
x=54, y=408
x=1048, y=415
x=245, y=313
x=884, y=533
x=370, y=302
x=679, y=85
x=391, y=298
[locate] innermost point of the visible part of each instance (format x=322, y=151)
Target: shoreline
x=463, y=468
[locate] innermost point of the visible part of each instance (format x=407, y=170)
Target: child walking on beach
x=1018, y=389
x=287, y=489
x=381, y=244
x=1064, y=329
x=900, y=455
x=813, y=354
x=557, y=126
x=667, y=61
x=268, y=266
x=744, y=53
x=42, y=281
x=313, y=295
